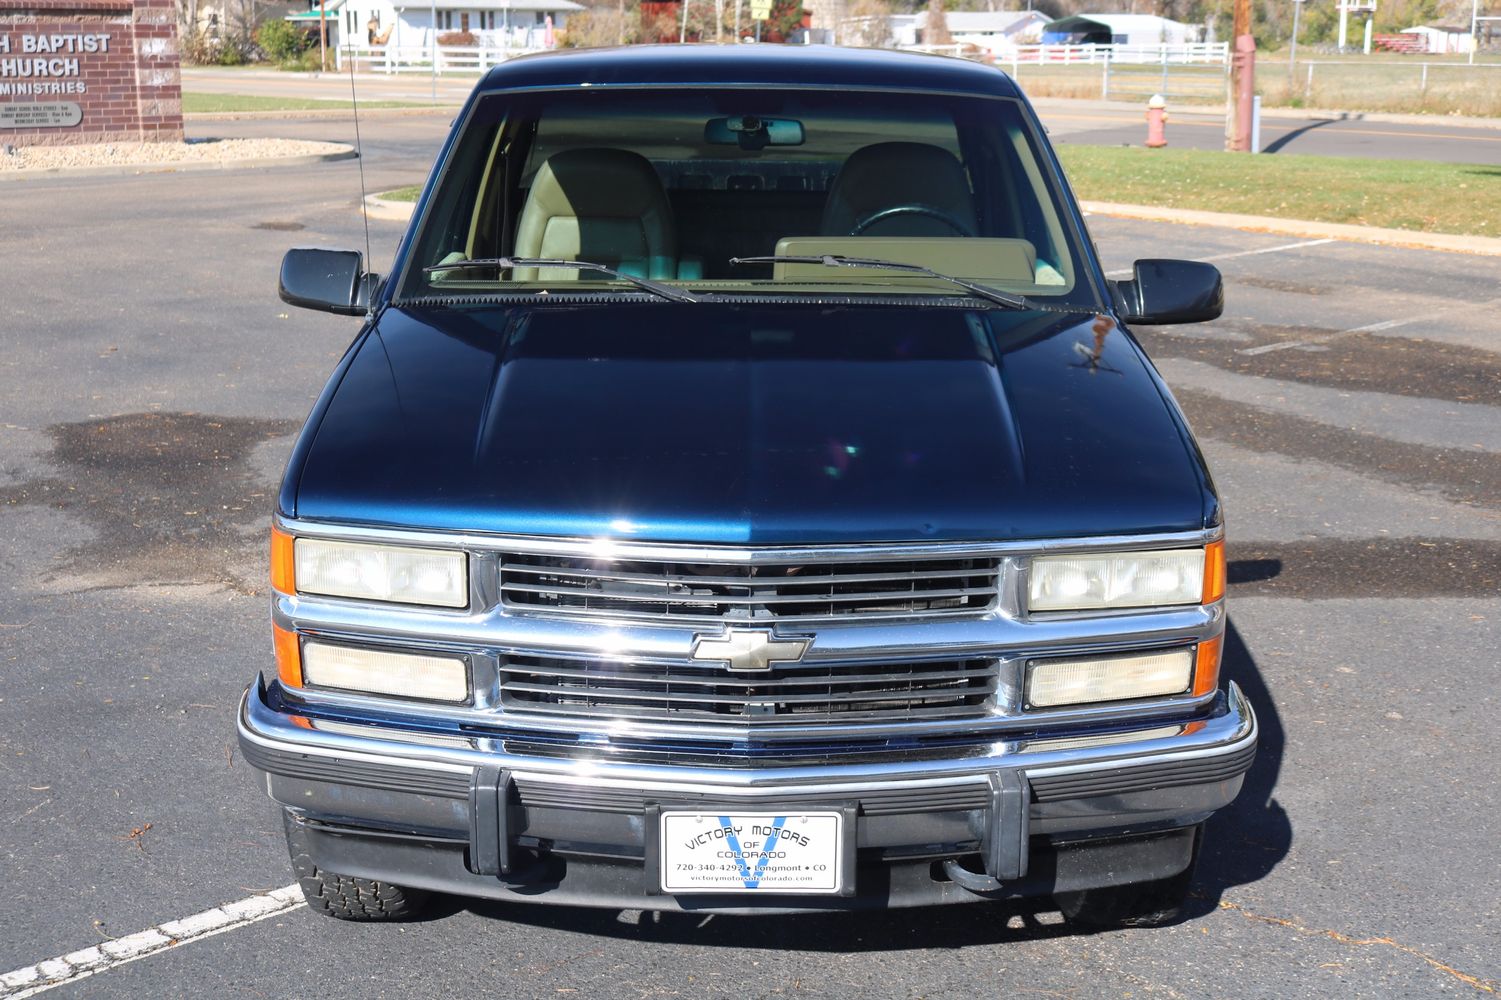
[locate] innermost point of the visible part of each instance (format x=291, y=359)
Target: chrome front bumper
x=391, y=788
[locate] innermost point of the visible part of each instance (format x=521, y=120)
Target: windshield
x=676, y=185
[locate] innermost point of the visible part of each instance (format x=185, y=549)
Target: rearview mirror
x=1172, y=291
x=753, y=132
x=327, y=280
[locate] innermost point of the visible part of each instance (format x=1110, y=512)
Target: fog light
x=1108, y=678
x=375, y=671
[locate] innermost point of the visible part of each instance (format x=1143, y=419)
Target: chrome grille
x=699, y=591
x=942, y=689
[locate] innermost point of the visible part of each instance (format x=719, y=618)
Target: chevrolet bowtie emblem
x=749, y=649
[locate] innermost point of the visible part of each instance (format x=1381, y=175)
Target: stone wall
x=75, y=71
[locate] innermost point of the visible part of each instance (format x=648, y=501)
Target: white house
x=989, y=30
x=1442, y=39
x=522, y=24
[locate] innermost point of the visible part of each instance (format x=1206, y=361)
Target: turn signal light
x=1207, y=665
x=288, y=656
x=283, y=562
x=1214, y=572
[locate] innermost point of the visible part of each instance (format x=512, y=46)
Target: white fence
x=1201, y=53
x=474, y=59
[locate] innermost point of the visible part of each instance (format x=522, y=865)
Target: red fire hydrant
x=1156, y=122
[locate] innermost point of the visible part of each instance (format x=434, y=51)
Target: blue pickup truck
x=745, y=495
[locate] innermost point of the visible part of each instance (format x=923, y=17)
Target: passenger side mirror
x=327, y=280
x=1172, y=291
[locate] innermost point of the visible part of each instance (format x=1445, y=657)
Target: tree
x=867, y=23
x=936, y=30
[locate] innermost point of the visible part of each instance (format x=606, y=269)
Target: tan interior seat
x=900, y=189
x=601, y=205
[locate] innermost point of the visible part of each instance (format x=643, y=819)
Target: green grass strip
x=194, y=103
x=409, y=193
x=1458, y=198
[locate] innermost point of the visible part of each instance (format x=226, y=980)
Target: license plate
x=751, y=852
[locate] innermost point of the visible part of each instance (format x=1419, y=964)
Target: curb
x=1480, y=245
x=1280, y=113
x=344, y=152
x=315, y=113
x=377, y=207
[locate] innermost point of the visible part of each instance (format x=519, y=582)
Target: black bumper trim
x=873, y=802
x=1143, y=777
x=364, y=774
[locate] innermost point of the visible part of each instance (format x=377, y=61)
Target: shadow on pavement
x=1277, y=145
x=1242, y=844
x=1245, y=841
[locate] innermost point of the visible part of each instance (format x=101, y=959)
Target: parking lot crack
x=1483, y=985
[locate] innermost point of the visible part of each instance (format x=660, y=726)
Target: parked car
x=745, y=495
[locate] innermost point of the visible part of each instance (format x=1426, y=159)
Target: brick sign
x=89, y=71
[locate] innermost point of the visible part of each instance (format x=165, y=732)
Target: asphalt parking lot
x=1350, y=405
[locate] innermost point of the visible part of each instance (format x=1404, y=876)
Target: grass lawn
x=409, y=193
x=1398, y=194
x=193, y=103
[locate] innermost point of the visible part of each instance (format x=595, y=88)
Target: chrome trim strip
x=624, y=548
x=1232, y=728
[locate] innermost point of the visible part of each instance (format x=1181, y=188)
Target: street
x=1349, y=402
x=1091, y=122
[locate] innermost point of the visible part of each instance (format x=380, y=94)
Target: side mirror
x=327, y=280
x=1172, y=291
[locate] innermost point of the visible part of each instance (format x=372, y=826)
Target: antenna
x=359, y=156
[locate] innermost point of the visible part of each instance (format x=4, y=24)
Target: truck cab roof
x=750, y=65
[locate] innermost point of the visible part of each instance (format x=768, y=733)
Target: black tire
x=345, y=897
x=1143, y=904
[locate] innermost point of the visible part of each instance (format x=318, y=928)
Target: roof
x=985, y=20
x=750, y=65
x=1140, y=22
x=566, y=6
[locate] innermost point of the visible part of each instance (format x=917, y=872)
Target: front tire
x=345, y=897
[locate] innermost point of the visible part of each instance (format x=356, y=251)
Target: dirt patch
x=1375, y=568
x=1464, y=476
x=279, y=227
x=1426, y=369
x=171, y=497
x=1276, y=285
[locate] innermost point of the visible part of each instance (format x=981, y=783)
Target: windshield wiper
x=507, y=263
x=1007, y=299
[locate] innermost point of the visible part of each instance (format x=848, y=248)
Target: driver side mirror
x=1171, y=291
x=327, y=280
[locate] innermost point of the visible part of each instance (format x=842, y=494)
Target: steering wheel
x=923, y=210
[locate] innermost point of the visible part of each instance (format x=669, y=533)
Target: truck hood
x=773, y=424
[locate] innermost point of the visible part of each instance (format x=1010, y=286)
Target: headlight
x=1117, y=580
x=1108, y=678
x=373, y=671
x=437, y=577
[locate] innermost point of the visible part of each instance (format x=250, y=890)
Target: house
x=521, y=24
x=1439, y=38
x=1120, y=29
x=989, y=30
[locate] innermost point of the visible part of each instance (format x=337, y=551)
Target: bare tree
x=867, y=23
x=936, y=30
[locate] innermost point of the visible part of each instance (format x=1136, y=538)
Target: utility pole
x=1292, y=59
x=1242, y=81
x=683, y=33
x=1474, y=29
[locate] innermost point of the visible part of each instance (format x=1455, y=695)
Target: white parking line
x=1285, y=345
x=86, y=962
x=1126, y=272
